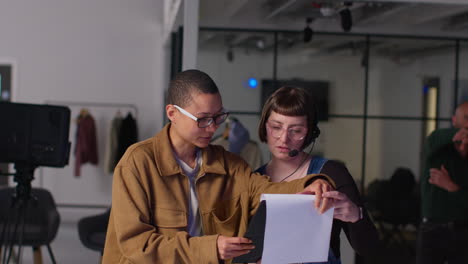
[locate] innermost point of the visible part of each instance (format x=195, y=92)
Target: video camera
x=35, y=135
x=30, y=136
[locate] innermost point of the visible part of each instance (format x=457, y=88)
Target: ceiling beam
x=448, y=2
x=234, y=7
x=204, y=37
x=239, y=39
x=280, y=9
x=373, y=15
x=459, y=22
x=431, y=13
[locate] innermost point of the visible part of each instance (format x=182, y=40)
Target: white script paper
x=295, y=231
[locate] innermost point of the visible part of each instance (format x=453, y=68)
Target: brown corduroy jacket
x=149, y=216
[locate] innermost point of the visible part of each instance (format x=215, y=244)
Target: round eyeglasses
x=205, y=121
x=294, y=133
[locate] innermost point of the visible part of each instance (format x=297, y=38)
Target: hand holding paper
x=345, y=209
x=318, y=187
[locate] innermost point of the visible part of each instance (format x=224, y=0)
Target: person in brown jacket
x=178, y=199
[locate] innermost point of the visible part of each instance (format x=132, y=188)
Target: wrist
x=360, y=214
x=453, y=187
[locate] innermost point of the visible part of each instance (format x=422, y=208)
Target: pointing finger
x=318, y=198
x=334, y=194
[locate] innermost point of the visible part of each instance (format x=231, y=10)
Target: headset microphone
x=293, y=153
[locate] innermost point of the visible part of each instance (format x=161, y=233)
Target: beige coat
x=149, y=216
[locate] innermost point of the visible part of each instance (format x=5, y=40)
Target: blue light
x=425, y=89
x=253, y=83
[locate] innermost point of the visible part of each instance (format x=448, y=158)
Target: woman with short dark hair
x=288, y=125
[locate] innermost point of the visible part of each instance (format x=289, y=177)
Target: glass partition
x=333, y=59
x=237, y=62
x=341, y=139
x=399, y=70
x=407, y=85
x=392, y=144
x=408, y=80
x=234, y=58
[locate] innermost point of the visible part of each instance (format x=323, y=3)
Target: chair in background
x=92, y=231
x=41, y=221
x=395, y=205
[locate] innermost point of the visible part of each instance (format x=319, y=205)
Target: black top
x=362, y=235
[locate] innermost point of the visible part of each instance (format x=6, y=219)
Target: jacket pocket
x=227, y=217
x=123, y=260
x=170, y=218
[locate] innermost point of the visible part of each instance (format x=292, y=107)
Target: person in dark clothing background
x=443, y=233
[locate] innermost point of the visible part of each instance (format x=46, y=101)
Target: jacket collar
x=167, y=163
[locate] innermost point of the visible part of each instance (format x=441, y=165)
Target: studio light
x=308, y=32
x=230, y=55
x=346, y=19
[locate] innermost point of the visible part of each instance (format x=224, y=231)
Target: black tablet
x=256, y=233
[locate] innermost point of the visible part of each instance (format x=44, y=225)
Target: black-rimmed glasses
x=205, y=121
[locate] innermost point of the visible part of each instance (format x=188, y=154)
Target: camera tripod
x=13, y=229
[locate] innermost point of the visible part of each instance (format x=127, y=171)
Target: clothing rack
x=118, y=106
x=94, y=104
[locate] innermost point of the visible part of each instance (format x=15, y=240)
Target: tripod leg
x=5, y=234
x=21, y=234
x=11, y=240
x=51, y=254
x=37, y=255
x=21, y=222
x=16, y=258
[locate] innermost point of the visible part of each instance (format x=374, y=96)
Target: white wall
x=107, y=51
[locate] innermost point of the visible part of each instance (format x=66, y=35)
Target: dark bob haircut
x=291, y=101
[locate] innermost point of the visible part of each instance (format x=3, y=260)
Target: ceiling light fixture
x=308, y=32
x=260, y=44
x=230, y=54
x=327, y=11
x=346, y=18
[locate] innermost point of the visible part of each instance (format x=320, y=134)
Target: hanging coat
x=128, y=135
x=112, y=145
x=86, y=146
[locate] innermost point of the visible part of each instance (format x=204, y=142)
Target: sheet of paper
x=295, y=231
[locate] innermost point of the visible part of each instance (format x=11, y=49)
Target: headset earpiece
x=315, y=133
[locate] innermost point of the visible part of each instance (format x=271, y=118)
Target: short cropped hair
x=290, y=101
x=189, y=81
